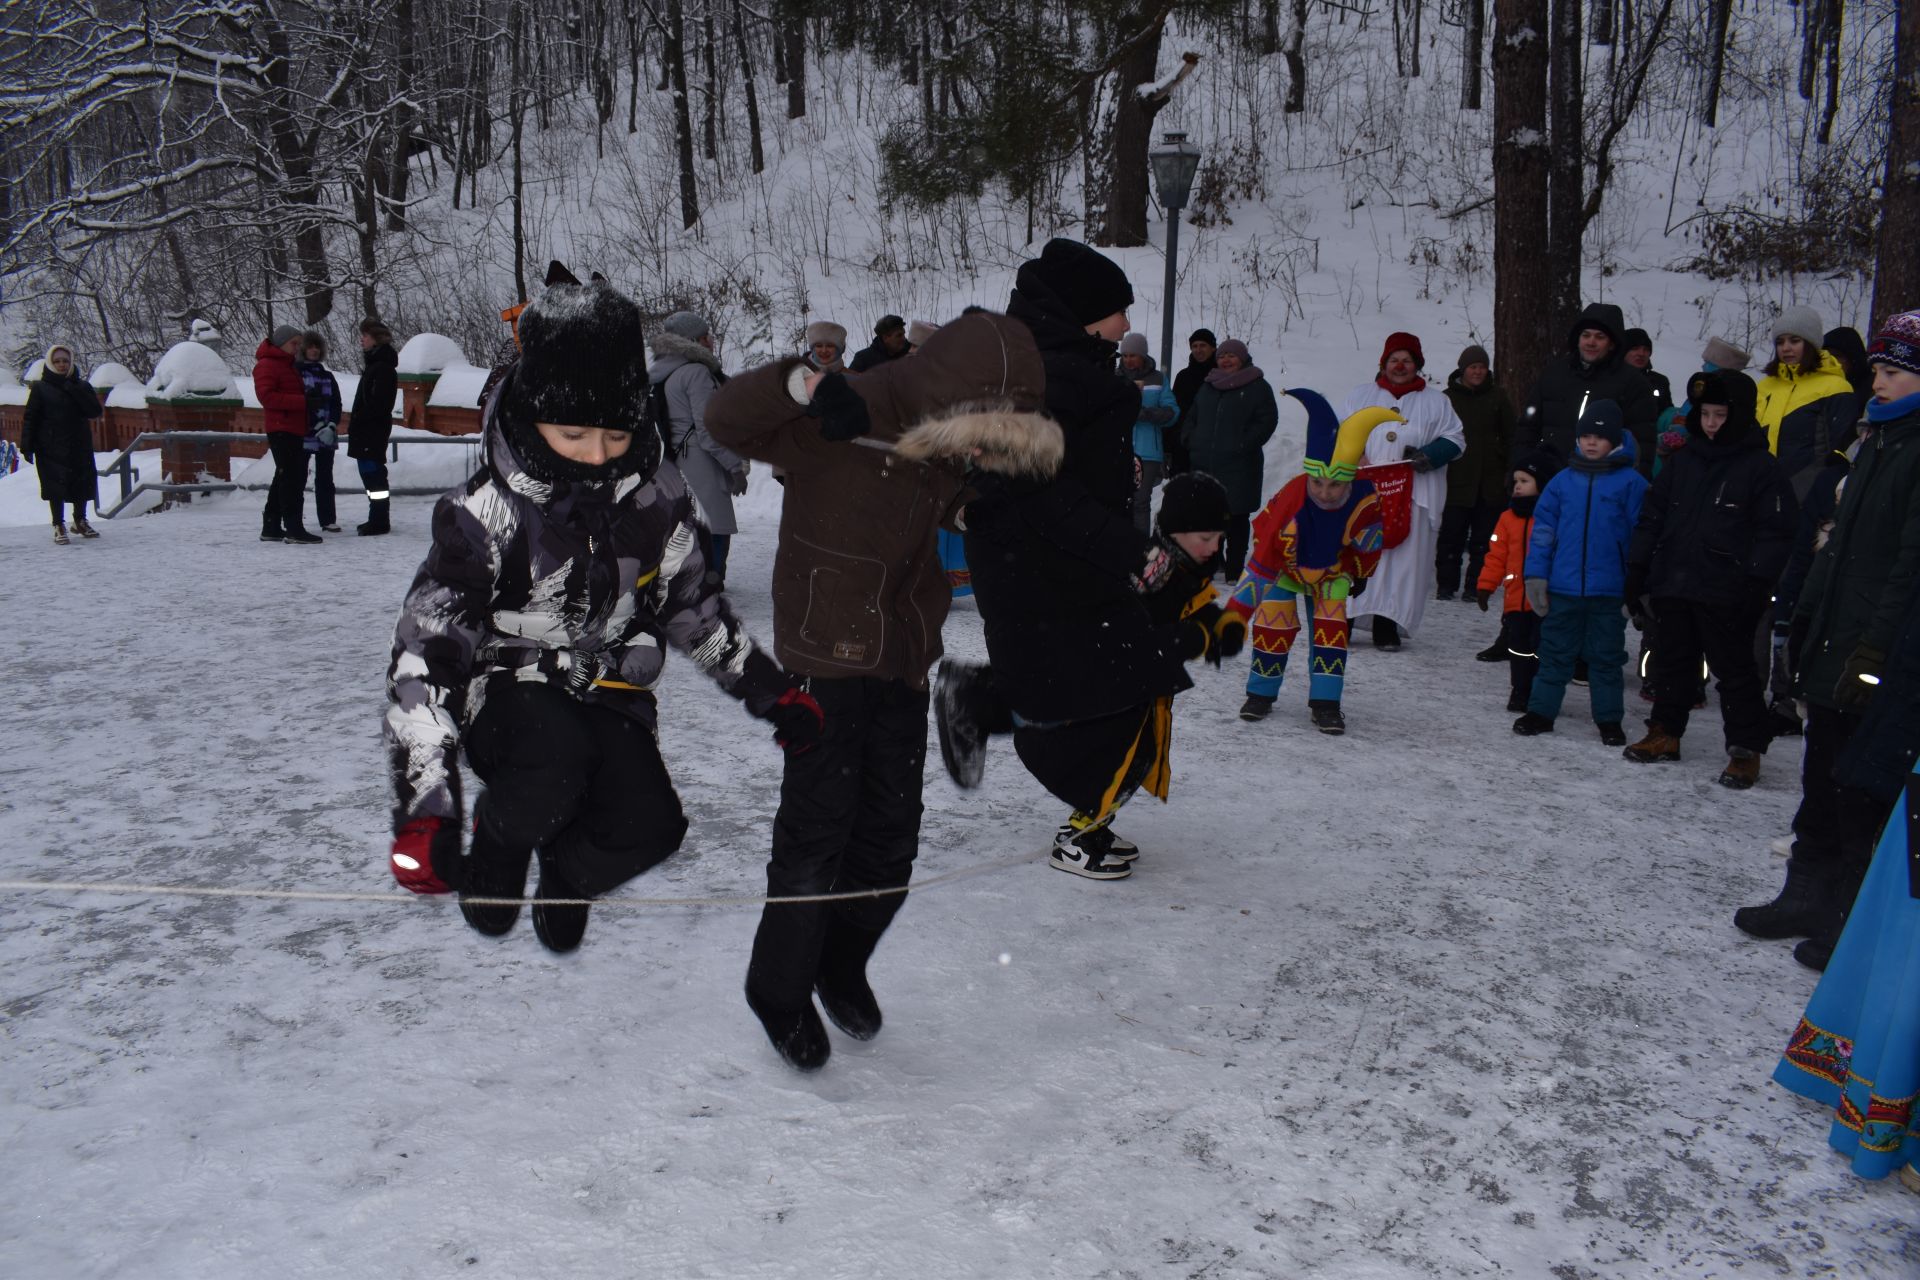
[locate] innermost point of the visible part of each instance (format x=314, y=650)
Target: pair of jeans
x=1576, y=627
x=288, y=492
x=849, y=819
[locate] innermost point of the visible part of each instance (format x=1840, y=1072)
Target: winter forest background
x=779, y=161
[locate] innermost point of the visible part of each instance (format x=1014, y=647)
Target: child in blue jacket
x=1577, y=570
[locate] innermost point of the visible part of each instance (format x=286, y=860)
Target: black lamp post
x=1174, y=162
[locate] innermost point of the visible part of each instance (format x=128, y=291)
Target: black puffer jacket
x=56, y=435
x=1718, y=525
x=1068, y=637
x=372, y=427
x=578, y=585
x=1568, y=385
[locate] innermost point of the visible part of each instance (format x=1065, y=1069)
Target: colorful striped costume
x=1303, y=554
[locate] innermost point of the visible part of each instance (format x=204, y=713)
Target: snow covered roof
x=430, y=353
x=190, y=369
x=111, y=374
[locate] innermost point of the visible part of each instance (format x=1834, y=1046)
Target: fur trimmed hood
x=1011, y=441
x=671, y=346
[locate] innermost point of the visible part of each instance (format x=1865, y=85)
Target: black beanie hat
x=1091, y=284
x=1203, y=335
x=1603, y=419
x=1193, y=502
x=1542, y=464
x=582, y=363
x=1634, y=339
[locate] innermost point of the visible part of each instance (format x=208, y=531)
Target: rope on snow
x=317, y=895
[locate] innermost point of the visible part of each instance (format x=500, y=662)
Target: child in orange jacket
x=1505, y=569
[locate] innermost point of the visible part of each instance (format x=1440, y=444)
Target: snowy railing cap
x=429, y=354
x=111, y=374
x=190, y=370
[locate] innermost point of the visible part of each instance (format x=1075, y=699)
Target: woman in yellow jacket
x=1806, y=404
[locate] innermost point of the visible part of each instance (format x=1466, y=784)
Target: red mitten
x=426, y=855
x=797, y=721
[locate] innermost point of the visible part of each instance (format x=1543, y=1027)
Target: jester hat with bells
x=1334, y=448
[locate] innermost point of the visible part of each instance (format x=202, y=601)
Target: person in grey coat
x=688, y=372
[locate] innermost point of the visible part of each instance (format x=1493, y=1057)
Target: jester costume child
x=1312, y=558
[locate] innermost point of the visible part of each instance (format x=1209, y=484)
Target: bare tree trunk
x=1413, y=59
x=517, y=109
x=709, y=127
x=1520, y=302
x=1719, y=19
x=1896, y=277
x=1834, y=21
x=794, y=30
x=1567, y=163
x=682, y=121
x=753, y=95
x=1293, y=47
x=1269, y=27
x=408, y=65
x=1473, y=51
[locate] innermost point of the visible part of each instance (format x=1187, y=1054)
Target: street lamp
x=1174, y=162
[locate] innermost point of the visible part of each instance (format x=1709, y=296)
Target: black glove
x=1422, y=463
x=1359, y=587
x=1483, y=595
x=1193, y=640
x=1859, y=679
x=1229, y=633
x=842, y=413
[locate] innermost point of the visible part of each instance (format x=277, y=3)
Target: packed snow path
x=1429, y=1001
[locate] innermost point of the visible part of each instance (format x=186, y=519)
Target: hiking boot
x=1516, y=701
x=841, y=980
x=1800, y=911
x=1657, y=746
x=1742, y=771
x=1119, y=849
x=1495, y=652
x=60, y=538
x=797, y=1034
x=1612, y=734
x=963, y=742
x=1326, y=715
x=559, y=927
x=1530, y=724
x=1256, y=707
x=494, y=869
x=85, y=530
x=1084, y=854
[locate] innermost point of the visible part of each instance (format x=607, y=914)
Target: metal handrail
x=122, y=466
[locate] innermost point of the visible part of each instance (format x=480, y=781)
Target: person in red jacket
x=283, y=406
x=1504, y=571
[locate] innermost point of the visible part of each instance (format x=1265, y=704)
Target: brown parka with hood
x=858, y=589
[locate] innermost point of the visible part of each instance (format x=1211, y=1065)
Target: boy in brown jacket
x=858, y=601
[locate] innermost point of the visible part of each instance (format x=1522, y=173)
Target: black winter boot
x=1256, y=707
x=1495, y=652
x=1801, y=910
x=494, y=869
x=1326, y=715
x=376, y=519
x=1531, y=725
x=797, y=1034
x=1818, y=948
x=841, y=981
x=559, y=928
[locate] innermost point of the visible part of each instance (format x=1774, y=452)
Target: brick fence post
x=189, y=461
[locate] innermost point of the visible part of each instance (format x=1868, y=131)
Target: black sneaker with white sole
x=1086, y=853
x=1119, y=848
x=1326, y=715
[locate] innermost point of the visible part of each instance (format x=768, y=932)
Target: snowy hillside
x=1427, y=1001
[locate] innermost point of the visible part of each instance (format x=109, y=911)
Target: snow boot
x=1742, y=771
x=963, y=739
x=841, y=981
x=1516, y=701
x=559, y=927
x=85, y=530
x=1386, y=636
x=1256, y=707
x=1084, y=853
x=270, y=530
x=1495, y=652
x=60, y=538
x=1800, y=911
x=1530, y=725
x=1657, y=746
x=297, y=535
x=1326, y=715
x=797, y=1034
x=1814, y=953
x=1612, y=734
x=376, y=519
x=493, y=869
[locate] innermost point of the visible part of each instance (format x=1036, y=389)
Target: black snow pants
x=1520, y=631
x=1836, y=825
x=1688, y=632
x=849, y=819
x=288, y=492
x=579, y=781
x=1463, y=531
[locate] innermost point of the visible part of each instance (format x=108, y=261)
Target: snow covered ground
x=1427, y=1001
